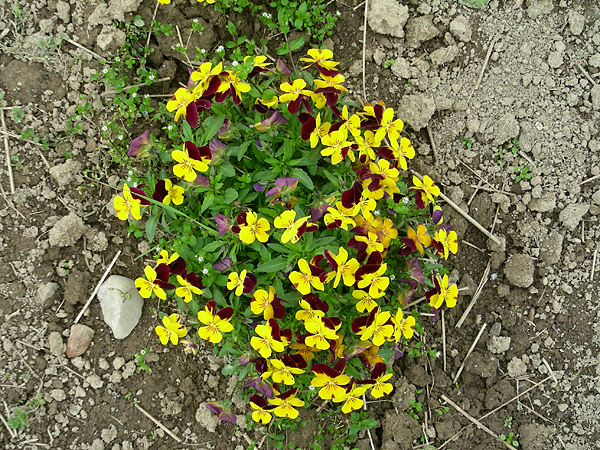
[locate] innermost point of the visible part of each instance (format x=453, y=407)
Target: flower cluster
x=316, y=243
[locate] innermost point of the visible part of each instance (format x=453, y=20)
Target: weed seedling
x=388, y=63
x=510, y=439
x=467, y=143
x=522, y=174
x=514, y=147
x=500, y=153
x=141, y=360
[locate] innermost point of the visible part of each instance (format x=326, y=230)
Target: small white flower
x=151, y=77
x=234, y=63
x=104, y=128
x=437, y=355
x=143, y=352
x=376, y=212
x=128, y=179
x=200, y=259
x=117, y=59
x=392, y=277
x=406, y=200
x=120, y=137
x=130, y=172
x=267, y=15
x=203, y=51
x=205, y=271
x=195, y=20
x=337, y=13
x=105, y=70
x=220, y=48
x=311, y=387
x=134, y=184
x=134, y=95
x=146, y=95
x=170, y=127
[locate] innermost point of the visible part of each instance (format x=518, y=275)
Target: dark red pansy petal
x=378, y=110
x=335, y=224
x=315, y=270
x=322, y=305
x=352, y=196
x=303, y=117
x=192, y=150
x=194, y=280
x=294, y=105
x=331, y=260
x=375, y=258
x=249, y=283
x=386, y=152
x=275, y=333
x=212, y=87
x=340, y=365
x=160, y=191
x=204, y=152
x=371, y=316
x=260, y=364
x=311, y=299
x=278, y=310
x=235, y=229
x=241, y=218
x=307, y=128
x=288, y=394
x=331, y=98
x=136, y=193
x=178, y=266
x=379, y=369
x=335, y=321
x=221, y=96
x=234, y=95
x=328, y=322
x=324, y=369
x=162, y=272
x=307, y=104
x=415, y=270
x=211, y=306
x=359, y=323
x=420, y=198
x=438, y=246
x=258, y=400
x=191, y=115
x=325, y=71
x=312, y=228
x=225, y=313
x=287, y=334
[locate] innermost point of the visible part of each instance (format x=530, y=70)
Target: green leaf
x=212, y=246
x=241, y=150
x=211, y=126
x=275, y=265
x=297, y=43
x=187, y=131
x=227, y=170
x=279, y=248
x=208, y=200
x=230, y=195
x=303, y=178
x=151, y=226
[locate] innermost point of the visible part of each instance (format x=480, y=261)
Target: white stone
x=388, y=17
x=121, y=305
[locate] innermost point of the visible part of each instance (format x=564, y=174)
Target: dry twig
x=482, y=282
x=165, y=429
x=476, y=422
x=433, y=146
x=78, y=45
x=7, y=150
x=98, y=286
x=585, y=74
x=10, y=430
x=485, y=63
x=462, y=366
x=593, y=265
x=444, y=337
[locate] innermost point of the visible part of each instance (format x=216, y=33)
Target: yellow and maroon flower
x=445, y=242
x=216, y=322
x=267, y=304
x=189, y=284
x=331, y=380
x=172, y=330
x=312, y=130
x=420, y=237
x=379, y=378
x=175, y=262
x=295, y=95
x=232, y=85
x=322, y=330
x=286, y=404
x=156, y=281
x=443, y=293
x=321, y=60
x=261, y=409
x=191, y=159
x=242, y=282
x=165, y=191
x=342, y=267
x=308, y=276
x=268, y=339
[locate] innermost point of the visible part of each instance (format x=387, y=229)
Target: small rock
x=400, y=428
x=555, y=59
x=401, y=68
x=118, y=8
x=416, y=110
x=507, y=128
x=419, y=30
x=79, y=340
x=46, y=293
x=94, y=381
x=572, y=214
x=206, y=418
x=536, y=8
x=594, y=60
x=66, y=231
x=596, y=197
x=387, y=17
x=576, y=22
x=63, y=11
x=58, y=394
x=77, y=286
x=483, y=366
x=460, y=28
x=56, y=344
x=444, y=55
x=118, y=362
x=121, y=305
x=110, y=38
x=355, y=69
x=516, y=368
x=595, y=95
x=545, y=203
x=496, y=329
x=519, y=270
x=551, y=248
x=535, y=436
x=109, y=434
x=498, y=344
x=379, y=56
x=493, y=245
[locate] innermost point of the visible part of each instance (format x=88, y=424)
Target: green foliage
x=510, y=439
x=140, y=358
x=19, y=418
x=522, y=174
x=467, y=143
x=388, y=63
